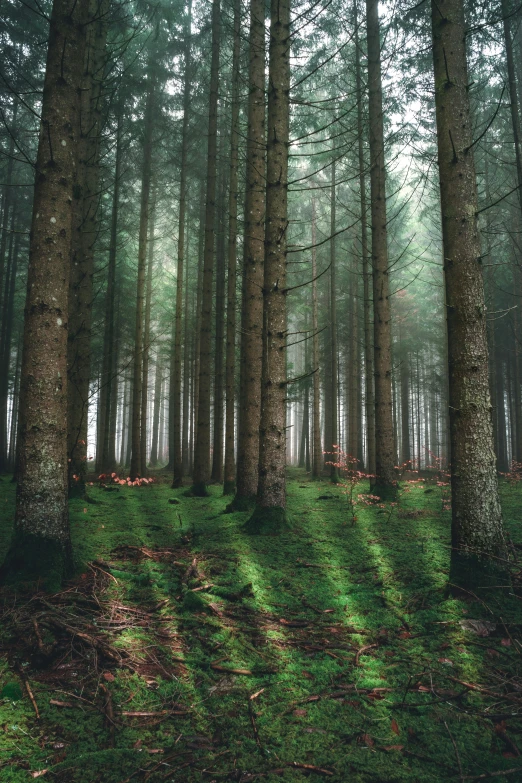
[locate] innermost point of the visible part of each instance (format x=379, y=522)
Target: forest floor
x=186, y=650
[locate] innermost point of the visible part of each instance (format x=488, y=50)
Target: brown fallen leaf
x=446, y=661
x=368, y=740
x=39, y=773
x=505, y=642
x=395, y=727
x=57, y=703
x=299, y=713
x=108, y=677
x=393, y=747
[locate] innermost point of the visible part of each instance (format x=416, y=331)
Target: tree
x=384, y=457
x=41, y=544
x=477, y=530
x=270, y=511
x=146, y=177
x=253, y=260
x=202, y=447
x=230, y=359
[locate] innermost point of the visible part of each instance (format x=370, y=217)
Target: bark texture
x=253, y=260
x=176, y=456
x=476, y=518
x=41, y=545
x=135, y=462
x=83, y=240
x=384, y=449
x=202, y=447
x=269, y=514
x=229, y=482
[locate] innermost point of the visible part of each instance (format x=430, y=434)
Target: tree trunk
x=333, y=447
x=135, y=466
x=317, y=452
x=156, y=414
x=217, y=439
x=229, y=483
x=476, y=519
x=83, y=241
x=176, y=458
x=270, y=514
x=187, y=375
x=202, y=448
x=107, y=459
x=384, y=449
x=5, y=340
x=41, y=546
x=253, y=260
x=146, y=338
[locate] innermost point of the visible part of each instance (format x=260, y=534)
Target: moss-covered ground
x=329, y=651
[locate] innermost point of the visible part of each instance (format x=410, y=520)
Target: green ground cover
x=186, y=650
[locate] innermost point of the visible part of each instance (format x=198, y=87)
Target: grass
x=347, y=633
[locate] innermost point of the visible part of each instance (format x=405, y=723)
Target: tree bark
x=229, y=483
x=107, y=460
x=384, y=449
x=219, y=377
x=202, y=447
x=135, y=466
x=317, y=452
x=177, y=457
x=146, y=337
x=83, y=241
x=41, y=546
x=332, y=405
x=253, y=259
x=270, y=514
x=476, y=518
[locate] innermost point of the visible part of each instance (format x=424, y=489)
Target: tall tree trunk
x=156, y=414
x=476, y=518
x=107, y=459
x=384, y=448
x=229, y=483
x=317, y=452
x=14, y=412
x=202, y=448
x=353, y=419
x=187, y=374
x=513, y=96
x=270, y=513
x=5, y=340
x=253, y=260
x=83, y=241
x=135, y=466
x=147, y=338
x=217, y=439
x=41, y=546
x=405, y=402
x=176, y=458
x=6, y=199
x=332, y=406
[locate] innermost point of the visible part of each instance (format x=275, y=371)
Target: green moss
x=267, y=521
x=11, y=691
x=319, y=591
x=240, y=503
x=197, y=490
x=35, y=559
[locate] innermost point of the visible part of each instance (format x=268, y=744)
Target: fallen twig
x=29, y=692
x=362, y=650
